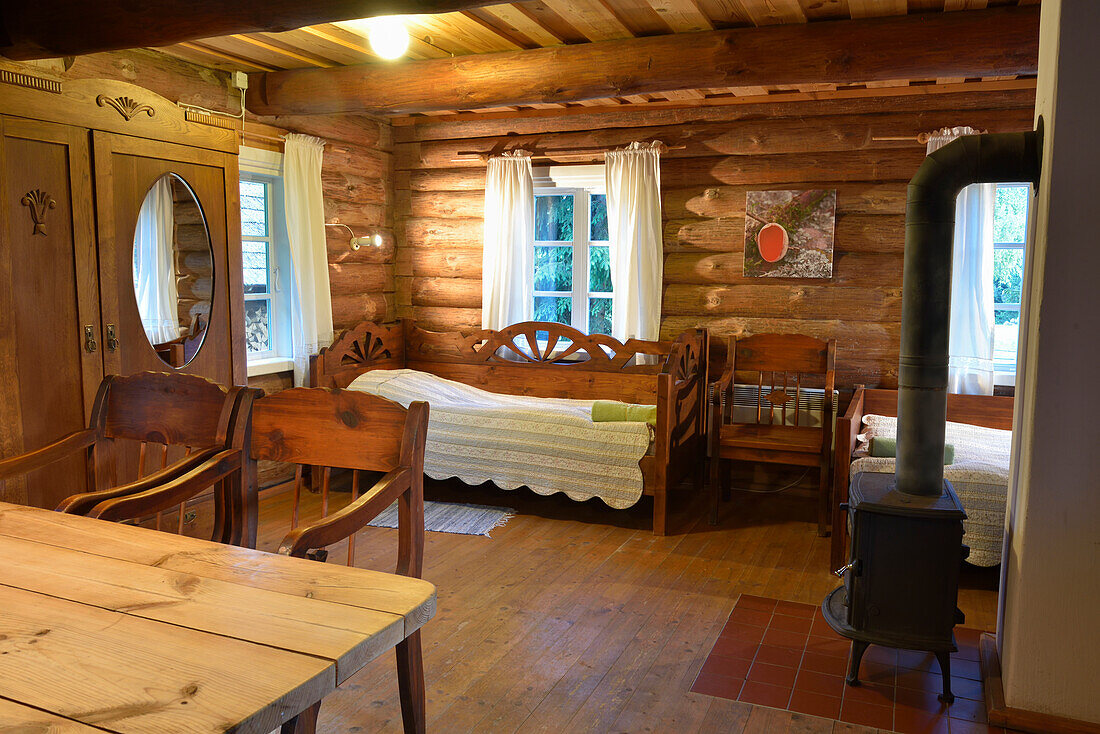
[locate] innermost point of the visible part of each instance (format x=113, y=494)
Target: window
x=1009, y=236
x=572, y=273
x=266, y=263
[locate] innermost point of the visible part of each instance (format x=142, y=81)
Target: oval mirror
x=173, y=270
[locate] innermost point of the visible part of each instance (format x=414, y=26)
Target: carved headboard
x=366, y=346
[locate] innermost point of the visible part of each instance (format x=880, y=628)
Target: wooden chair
x=151, y=429
x=339, y=429
x=776, y=431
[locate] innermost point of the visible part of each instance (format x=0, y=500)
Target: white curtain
x=971, y=344
x=633, y=179
x=154, y=265
x=508, y=257
x=311, y=326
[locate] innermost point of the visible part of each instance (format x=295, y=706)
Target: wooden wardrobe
x=76, y=161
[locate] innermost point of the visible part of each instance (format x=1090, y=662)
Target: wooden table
x=126, y=629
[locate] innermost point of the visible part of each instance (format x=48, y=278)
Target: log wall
x=726, y=152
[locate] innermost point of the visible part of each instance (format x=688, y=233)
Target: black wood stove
x=901, y=586
x=902, y=582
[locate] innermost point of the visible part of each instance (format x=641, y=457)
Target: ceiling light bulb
x=388, y=36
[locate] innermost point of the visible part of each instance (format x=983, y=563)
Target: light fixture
x=357, y=242
x=389, y=38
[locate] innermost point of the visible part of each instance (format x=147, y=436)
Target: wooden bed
x=979, y=410
x=550, y=360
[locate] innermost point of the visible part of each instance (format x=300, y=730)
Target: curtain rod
x=280, y=139
x=921, y=138
x=477, y=155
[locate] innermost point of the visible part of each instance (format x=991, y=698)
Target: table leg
x=303, y=723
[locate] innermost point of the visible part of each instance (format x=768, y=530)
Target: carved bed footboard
x=546, y=359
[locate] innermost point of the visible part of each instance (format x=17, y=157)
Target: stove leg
x=945, y=671
x=858, y=648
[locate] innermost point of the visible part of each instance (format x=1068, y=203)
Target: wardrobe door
x=50, y=340
x=135, y=179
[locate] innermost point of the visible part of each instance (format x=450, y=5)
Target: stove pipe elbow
x=926, y=289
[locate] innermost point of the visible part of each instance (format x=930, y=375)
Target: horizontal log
x=866, y=270
x=352, y=278
x=753, y=137
x=782, y=300
x=809, y=168
x=853, y=233
x=995, y=42
x=73, y=27
x=446, y=319
x=916, y=99
x=729, y=201
x=435, y=264
x=446, y=292
x=356, y=215
x=358, y=159
x=353, y=187
x=357, y=130
x=444, y=204
x=349, y=309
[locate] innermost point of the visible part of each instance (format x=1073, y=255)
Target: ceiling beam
x=1003, y=41
x=38, y=30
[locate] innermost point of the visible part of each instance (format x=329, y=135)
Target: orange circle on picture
x=772, y=241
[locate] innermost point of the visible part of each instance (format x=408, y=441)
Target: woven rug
x=446, y=517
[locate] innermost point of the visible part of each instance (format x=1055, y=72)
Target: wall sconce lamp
x=357, y=242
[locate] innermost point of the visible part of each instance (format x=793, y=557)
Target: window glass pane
x=253, y=209
x=599, y=269
x=1008, y=274
x=597, y=223
x=255, y=267
x=554, y=308
x=257, y=325
x=599, y=315
x=554, y=218
x=1010, y=214
x=553, y=268
x=1006, y=332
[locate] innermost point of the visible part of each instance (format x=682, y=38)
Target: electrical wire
x=792, y=485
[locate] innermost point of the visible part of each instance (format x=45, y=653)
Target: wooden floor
x=575, y=618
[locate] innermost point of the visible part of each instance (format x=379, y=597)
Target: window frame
x=581, y=244
x=261, y=166
x=1004, y=372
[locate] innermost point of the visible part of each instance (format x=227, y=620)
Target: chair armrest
x=23, y=463
x=722, y=384
x=82, y=504
x=350, y=519
x=170, y=493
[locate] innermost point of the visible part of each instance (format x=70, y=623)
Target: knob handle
x=853, y=566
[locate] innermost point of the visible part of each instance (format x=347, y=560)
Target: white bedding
x=979, y=475
x=547, y=444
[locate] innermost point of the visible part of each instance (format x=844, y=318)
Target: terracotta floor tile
x=920, y=700
x=857, y=712
x=882, y=655
x=966, y=653
x=821, y=683
x=824, y=664
x=783, y=638
x=734, y=647
x=794, y=609
x=800, y=625
x=836, y=647
x=909, y=721
x=773, y=655
x=964, y=708
x=959, y=726
x=753, y=617
x=872, y=672
x=763, y=694
x=747, y=601
x=815, y=704
x=821, y=628
x=966, y=669
x=919, y=680
x=718, y=685
x=917, y=660
x=775, y=675
x=870, y=693
x=746, y=632
x=966, y=688
x=728, y=667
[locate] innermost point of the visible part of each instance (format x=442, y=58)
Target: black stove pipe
x=926, y=289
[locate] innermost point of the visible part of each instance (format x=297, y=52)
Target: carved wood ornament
x=125, y=106
x=38, y=201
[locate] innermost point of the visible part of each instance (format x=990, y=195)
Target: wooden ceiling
x=543, y=23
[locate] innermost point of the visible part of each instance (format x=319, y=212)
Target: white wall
x=1049, y=632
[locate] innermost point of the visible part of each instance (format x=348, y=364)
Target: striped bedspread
x=547, y=444
x=979, y=475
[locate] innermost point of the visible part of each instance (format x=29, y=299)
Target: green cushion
x=613, y=410
x=883, y=446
